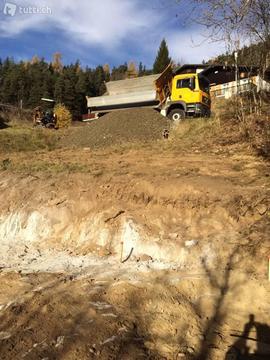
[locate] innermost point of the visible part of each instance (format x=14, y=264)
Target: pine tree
x=81, y=89
x=22, y=91
x=36, y=76
x=59, y=89
x=141, y=72
x=99, y=81
x=69, y=94
x=90, y=91
x=119, y=73
x=162, y=59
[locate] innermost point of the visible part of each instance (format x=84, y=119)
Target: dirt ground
x=152, y=252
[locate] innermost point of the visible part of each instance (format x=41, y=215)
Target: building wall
x=227, y=90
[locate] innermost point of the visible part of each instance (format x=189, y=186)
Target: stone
x=262, y=209
x=145, y=257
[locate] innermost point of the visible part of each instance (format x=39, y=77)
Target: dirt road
x=134, y=255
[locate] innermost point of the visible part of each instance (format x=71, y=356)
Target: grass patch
x=24, y=138
x=46, y=167
x=192, y=133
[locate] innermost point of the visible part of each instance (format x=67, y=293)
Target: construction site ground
x=153, y=250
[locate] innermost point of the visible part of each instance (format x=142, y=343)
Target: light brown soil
x=198, y=224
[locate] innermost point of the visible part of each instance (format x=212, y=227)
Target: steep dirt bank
x=192, y=234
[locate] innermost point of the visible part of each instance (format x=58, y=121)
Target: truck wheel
x=177, y=114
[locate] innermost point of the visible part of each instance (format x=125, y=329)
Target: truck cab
x=187, y=94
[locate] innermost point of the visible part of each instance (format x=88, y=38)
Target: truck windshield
x=186, y=83
x=204, y=84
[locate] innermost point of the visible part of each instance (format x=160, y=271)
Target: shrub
x=63, y=116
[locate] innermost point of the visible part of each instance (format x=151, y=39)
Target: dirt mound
x=118, y=127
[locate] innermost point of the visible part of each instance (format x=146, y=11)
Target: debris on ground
x=118, y=127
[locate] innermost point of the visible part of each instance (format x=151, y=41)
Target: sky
x=102, y=31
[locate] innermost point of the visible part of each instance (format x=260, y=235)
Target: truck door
x=183, y=89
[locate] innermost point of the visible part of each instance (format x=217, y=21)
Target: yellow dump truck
x=176, y=93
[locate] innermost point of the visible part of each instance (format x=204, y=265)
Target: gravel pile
x=118, y=127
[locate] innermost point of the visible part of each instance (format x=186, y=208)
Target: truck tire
x=177, y=115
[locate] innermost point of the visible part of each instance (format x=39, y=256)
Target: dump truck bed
x=124, y=94
x=122, y=101
x=140, y=84
x=150, y=90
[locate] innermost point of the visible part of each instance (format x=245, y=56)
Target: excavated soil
x=135, y=254
x=118, y=127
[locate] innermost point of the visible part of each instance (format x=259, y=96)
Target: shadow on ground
x=240, y=350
